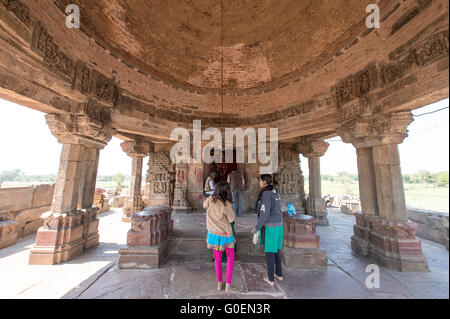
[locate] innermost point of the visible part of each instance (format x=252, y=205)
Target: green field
x=98, y=184
x=417, y=195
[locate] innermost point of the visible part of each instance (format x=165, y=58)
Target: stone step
x=191, y=245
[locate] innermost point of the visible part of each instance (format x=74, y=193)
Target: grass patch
x=417, y=195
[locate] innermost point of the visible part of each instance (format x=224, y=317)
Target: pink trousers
x=230, y=264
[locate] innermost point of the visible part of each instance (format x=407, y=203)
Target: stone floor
x=95, y=274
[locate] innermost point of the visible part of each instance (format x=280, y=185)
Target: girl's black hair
x=270, y=184
x=222, y=192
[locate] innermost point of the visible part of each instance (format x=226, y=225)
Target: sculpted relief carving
x=349, y=95
x=44, y=45
x=20, y=10
x=160, y=178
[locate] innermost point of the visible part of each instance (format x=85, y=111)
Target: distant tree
x=425, y=177
x=119, y=179
x=10, y=176
x=327, y=177
x=345, y=177
x=442, y=179
x=407, y=178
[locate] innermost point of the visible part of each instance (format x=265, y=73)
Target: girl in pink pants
x=219, y=216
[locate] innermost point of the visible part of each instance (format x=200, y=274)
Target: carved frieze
x=104, y=88
x=98, y=112
x=428, y=51
x=44, y=45
x=20, y=10
x=356, y=86
x=352, y=110
x=82, y=79
x=411, y=14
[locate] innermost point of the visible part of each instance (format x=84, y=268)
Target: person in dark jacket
x=270, y=223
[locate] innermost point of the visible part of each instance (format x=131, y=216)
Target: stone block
x=14, y=199
x=304, y=258
x=42, y=195
x=32, y=227
x=61, y=238
x=391, y=244
x=432, y=225
x=149, y=257
x=32, y=214
x=8, y=233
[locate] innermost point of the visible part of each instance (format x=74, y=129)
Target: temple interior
x=313, y=70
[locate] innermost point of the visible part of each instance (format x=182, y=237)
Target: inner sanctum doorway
x=223, y=169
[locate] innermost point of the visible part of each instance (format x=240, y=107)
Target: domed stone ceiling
x=264, y=41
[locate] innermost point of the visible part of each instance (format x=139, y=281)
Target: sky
x=27, y=144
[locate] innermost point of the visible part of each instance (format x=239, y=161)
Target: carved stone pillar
x=160, y=178
x=382, y=231
x=290, y=178
x=180, y=203
x=72, y=225
x=88, y=177
x=315, y=205
x=137, y=150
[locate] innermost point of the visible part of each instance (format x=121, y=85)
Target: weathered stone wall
x=25, y=205
x=431, y=225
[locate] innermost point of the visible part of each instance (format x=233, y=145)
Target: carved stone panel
x=44, y=45
x=160, y=179
x=20, y=10
x=289, y=178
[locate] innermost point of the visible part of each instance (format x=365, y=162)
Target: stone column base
x=304, y=258
x=301, y=243
x=181, y=210
x=389, y=243
x=316, y=207
x=90, y=231
x=133, y=204
x=65, y=236
x=143, y=257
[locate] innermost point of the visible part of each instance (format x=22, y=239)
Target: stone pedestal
x=390, y=243
x=143, y=257
x=60, y=239
x=301, y=243
x=8, y=233
x=90, y=228
x=147, y=239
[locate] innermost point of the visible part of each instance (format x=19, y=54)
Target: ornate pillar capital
x=313, y=148
x=379, y=129
x=79, y=129
x=137, y=148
